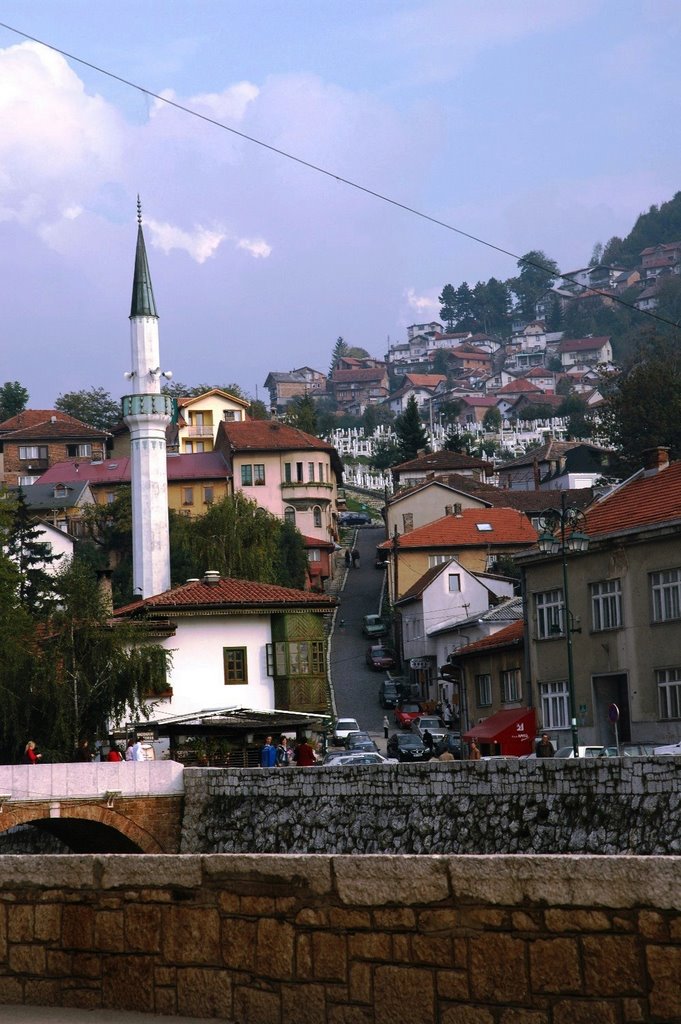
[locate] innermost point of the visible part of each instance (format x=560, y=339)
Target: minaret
x=147, y=413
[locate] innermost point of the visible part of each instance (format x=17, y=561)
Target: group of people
x=284, y=755
x=134, y=751
x=352, y=558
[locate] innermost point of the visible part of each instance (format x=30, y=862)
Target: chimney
x=655, y=460
x=211, y=577
x=105, y=591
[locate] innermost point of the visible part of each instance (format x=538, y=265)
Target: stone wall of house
x=599, y=806
x=346, y=940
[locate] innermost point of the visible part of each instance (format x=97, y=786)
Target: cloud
x=228, y=106
x=425, y=305
x=200, y=244
x=256, y=246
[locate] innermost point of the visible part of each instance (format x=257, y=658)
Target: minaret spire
x=147, y=413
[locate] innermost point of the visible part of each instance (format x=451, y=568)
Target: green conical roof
x=143, y=303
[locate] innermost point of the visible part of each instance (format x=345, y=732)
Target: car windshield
x=409, y=740
x=347, y=725
x=429, y=723
x=410, y=709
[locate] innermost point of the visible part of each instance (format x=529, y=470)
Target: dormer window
x=60, y=490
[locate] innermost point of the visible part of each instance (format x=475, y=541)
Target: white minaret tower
x=147, y=413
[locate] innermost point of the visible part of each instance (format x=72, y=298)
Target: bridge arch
x=84, y=827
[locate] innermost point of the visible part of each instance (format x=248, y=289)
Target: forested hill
x=659, y=225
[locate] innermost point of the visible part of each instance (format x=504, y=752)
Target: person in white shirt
x=137, y=751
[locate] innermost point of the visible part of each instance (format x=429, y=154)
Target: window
x=666, y=591
x=510, y=685
x=187, y=495
x=549, y=607
x=305, y=657
x=606, y=604
x=310, y=472
x=483, y=690
x=26, y=481
x=555, y=708
x=208, y=496
x=229, y=415
x=60, y=490
x=669, y=689
x=299, y=472
x=110, y=497
x=290, y=515
x=259, y=474
x=247, y=476
x=454, y=582
x=79, y=451
x=439, y=559
x=236, y=667
x=314, y=555
x=321, y=472
x=317, y=516
x=407, y=521
x=33, y=451
x=287, y=472
x=193, y=447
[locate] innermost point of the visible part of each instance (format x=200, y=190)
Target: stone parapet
x=600, y=805
x=342, y=939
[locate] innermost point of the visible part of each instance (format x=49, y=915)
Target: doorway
x=611, y=689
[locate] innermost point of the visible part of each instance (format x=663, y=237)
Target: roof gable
x=227, y=593
x=642, y=501
x=472, y=527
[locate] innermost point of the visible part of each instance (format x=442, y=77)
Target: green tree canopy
x=411, y=433
x=94, y=406
x=13, y=399
x=537, y=273
x=387, y=453
x=448, y=307
x=491, y=421
x=26, y=547
x=302, y=413
x=340, y=349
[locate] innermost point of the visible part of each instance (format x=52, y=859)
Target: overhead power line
x=326, y=172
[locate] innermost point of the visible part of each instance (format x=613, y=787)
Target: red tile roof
x=443, y=460
x=197, y=466
x=360, y=375
x=39, y=423
x=508, y=526
x=514, y=387
x=425, y=380
x=640, y=502
x=270, y=435
x=582, y=344
x=512, y=634
x=229, y=593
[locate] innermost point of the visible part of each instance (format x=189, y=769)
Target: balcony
x=196, y=431
x=292, y=489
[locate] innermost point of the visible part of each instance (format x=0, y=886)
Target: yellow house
x=200, y=416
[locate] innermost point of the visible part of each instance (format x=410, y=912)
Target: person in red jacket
x=31, y=755
x=304, y=756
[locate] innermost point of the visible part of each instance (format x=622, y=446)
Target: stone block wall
x=600, y=805
x=346, y=940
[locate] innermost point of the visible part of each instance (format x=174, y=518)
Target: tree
x=576, y=411
x=448, y=307
x=596, y=255
x=291, y=569
x=25, y=546
x=94, y=406
x=340, y=349
x=301, y=413
x=465, y=316
x=376, y=416
x=411, y=433
x=387, y=453
x=491, y=421
x=258, y=410
x=13, y=399
x=491, y=306
x=643, y=406
x=442, y=362
x=537, y=274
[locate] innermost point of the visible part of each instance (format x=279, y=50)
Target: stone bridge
x=128, y=807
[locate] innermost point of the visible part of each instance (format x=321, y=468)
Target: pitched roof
x=551, y=450
x=473, y=527
x=269, y=435
x=44, y=423
x=242, y=595
x=197, y=466
x=190, y=399
x=42, y=496
x=639, y=502
x=359, y=376
x=442, y=460
x=425, y=380
x=511, y=635
x=517, y=386
x=582, y=344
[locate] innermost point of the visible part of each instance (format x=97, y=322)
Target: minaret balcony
x=149, y=405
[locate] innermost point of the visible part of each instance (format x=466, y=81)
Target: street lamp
x=562, y=531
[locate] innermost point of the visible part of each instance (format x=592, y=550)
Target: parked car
x=374, y=626
x=407, y=746
x=380, y=658
x=405, y=714
x=629, y=749
x=360, y=741
x=360, y=757
x=450, y=742
x=354, y=518
x=670, y=748
x=406, y=689
x=388, y=694
x=431, y=724
x=342, y=727
x=594, y=751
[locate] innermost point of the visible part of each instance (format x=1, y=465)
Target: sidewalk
x=67, y=1015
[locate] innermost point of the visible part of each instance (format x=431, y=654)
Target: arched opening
x=317, y=516
x=46, y=836
x=290, y=515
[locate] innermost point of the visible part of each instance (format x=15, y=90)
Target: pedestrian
x=355, y=558
x=348, y=558
x=428, y=740
x=128, y=750
x=138, y=750
x=545, y=747
x=31, y=755
x=282, y=753
x=268, y=754
x=386, y=726
x=304, y=755
x=83, y=752
x=114, y=753
x=474, y=752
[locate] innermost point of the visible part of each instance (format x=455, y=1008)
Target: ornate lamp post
x=562, y=531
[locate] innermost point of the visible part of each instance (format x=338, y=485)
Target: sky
x=530, y=124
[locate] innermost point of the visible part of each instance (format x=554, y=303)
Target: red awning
x=514, y=729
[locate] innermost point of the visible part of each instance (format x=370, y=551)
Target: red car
x=380, y=657
x=405, y=714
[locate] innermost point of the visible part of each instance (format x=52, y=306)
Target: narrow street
x=355, y=684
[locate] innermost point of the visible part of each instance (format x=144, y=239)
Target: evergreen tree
x=292, y=563
x=302, y=413
x=13, y=399
x=26, y=547
x=491, y=421
x=537, y=273
x=387, y=453
x=465, y=316
x=411, y=433
x=340, y=349
x=448, y=307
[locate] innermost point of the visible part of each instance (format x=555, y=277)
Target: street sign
x=613, y=713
